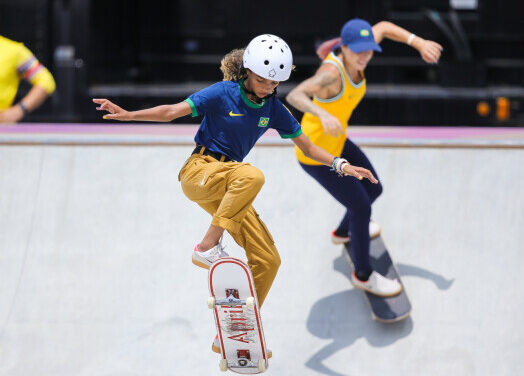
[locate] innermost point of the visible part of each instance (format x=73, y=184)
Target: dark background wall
x=143, y=53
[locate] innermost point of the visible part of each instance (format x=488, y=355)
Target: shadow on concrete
x=344, y=318
x=439, y=281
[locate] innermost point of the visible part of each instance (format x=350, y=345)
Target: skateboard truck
x=232, y=300
x=243, y=357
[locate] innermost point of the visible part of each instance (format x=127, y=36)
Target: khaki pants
x=226, y=190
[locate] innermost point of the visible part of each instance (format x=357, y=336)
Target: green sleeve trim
x=296, y=134
x=194, y=111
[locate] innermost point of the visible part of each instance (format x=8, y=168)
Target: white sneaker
x=377, y=284
x=335, y=239
x=374, y=232
x=216, y=348
x=205, y=259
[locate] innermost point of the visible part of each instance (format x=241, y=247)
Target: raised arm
x=300, y=97
x=429, y=51
x=164, y=113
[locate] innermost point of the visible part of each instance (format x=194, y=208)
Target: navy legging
x=356, y=195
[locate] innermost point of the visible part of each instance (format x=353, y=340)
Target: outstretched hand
x=115, y=112
x=429, y=51
x=358, y=172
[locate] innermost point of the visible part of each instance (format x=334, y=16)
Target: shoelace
x=221, y=247
x=218, y=251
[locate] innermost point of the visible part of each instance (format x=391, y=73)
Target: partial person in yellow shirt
x=328, y=100
x=17, y=62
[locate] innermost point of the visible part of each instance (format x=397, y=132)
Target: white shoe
x=335, y=239
x=216, y=348
x=374, y=232
x=377, y=284
x=205, y=259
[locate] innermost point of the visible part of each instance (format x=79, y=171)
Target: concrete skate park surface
x=96, y=277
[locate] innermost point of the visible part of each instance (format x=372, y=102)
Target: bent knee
x=253, y=176
x=275, y=261
x=257, y=177
x=378, y=189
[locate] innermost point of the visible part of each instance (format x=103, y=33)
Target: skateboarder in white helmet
x=236, y=113
x=270, y=57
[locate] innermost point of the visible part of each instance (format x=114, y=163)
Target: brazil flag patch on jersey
x=263, y=122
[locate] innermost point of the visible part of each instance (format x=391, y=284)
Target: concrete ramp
x=96, y=278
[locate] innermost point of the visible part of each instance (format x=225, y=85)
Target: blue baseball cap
x=358, y=36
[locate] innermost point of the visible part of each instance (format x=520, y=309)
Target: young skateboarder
x=236, y=113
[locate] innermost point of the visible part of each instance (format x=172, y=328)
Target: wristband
x=333, y=165
x=25, y=110
x=410, y=39
x=337, y=165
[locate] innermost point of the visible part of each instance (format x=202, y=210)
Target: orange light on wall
x=483, y=108
x=502, y=108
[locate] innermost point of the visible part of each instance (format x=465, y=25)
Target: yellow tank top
x=341, y=106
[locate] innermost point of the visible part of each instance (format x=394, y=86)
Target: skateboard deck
x=237, y=317
x=390, y=309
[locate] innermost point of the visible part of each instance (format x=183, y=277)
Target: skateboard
x=390, y=309
x=234, y=303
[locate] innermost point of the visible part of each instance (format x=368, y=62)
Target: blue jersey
x=232, y=124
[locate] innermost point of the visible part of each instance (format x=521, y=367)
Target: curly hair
x=232, y=65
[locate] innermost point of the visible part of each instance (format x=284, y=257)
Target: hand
x=12, y=115
x=331, y=125
x=358, y=172
x=115, y=112
x=429, y=51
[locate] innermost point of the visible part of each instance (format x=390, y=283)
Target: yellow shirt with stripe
x=341, y=106
x=16, y=63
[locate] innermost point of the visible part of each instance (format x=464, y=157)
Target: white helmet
x=270, y=57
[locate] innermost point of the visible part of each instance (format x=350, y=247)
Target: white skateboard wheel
x=261, y=365
x=211, y=302
x=250, y=302
x=223, y=365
